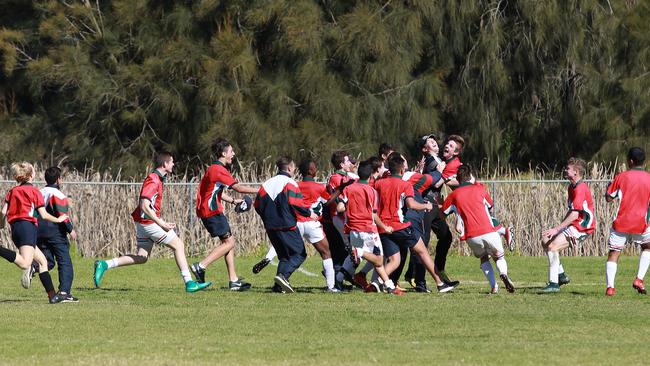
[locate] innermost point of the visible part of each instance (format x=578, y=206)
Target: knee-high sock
x=611, y=273
x=328, y=266
x=553, y=266
x=488, y=271
x=46, y=280
x=644, y=262
x=502, y=265
x=7, y=254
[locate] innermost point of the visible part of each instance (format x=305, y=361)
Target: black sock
x=7, y=254
x=46, y=280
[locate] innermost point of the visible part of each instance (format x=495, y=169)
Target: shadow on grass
x=12, y=301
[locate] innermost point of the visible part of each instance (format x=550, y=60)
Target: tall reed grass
x=102, y=204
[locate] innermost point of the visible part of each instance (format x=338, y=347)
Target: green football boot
x=550, y=288
x=193, y=286
x=100, y=268
x=563, y=279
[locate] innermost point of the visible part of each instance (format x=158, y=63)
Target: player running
x=632, y=187
x=472, y=203
x=151, y=229
x=578, y=224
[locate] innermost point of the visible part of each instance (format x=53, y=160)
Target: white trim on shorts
x=148, y=235
x=365, y=242
x=617, y=239
x=489, y=243
x=312, y=231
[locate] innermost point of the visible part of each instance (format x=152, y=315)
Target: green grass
x=142, y=315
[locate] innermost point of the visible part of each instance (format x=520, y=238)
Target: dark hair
x=384, y=149
x=395, y=163
x=304, y=166
x=376, y=162
x=636, y=155
x=52, y=174
x=464, y=173
x=338, y=157
x=459, y=141
x=219, y=146
x=161, y=158
x=365, y=169
x=283, y=163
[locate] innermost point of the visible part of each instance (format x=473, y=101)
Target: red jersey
x=23, y=201
x=580, y=200
x=333, y=182
x=152, y=189
x=393, y=192
x=451, y=169
x=472, y=202
x=315, y=195
x=362, y=202
x=420, y=182
x=208, y=198
x=633, y=188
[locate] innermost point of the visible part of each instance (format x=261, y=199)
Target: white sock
x=112, y=263
x=611, y=273
x=328, y=266
x=644, y=262
x=488, y=271
x=367, y=267
x=271, y=253
x=553, y=264
x=187, y=277
x=502, y=231
x=389, y=284
x=502, y=265
x=560, y=269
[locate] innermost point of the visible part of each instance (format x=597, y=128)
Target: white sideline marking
x=303, y=271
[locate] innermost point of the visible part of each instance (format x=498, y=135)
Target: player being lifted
x=632, y=187
x=472, y=203
x=579, y=222
x=151, y=229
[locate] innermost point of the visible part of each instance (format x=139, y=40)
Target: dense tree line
x=527, y=82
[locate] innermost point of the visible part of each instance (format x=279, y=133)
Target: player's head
x=454, y=146
x=405, y=165
x=384, y=150
x=378, y=166
x=307, y=168
x=52, y=175
x=341, y=161
x=164, y=161
x=575, y=169
x=464, y=173
x=365, y=170
x=223, y=150
x=428, y=145
x=23, y=172
x=396, y=164
x=285, y=164
x=636, y=157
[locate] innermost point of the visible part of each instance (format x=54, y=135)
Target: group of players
x=382, y=213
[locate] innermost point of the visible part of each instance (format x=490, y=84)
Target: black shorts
x=217, y=226
x=24, y=233
x=404, y=238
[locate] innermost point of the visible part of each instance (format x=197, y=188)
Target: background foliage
x=105, y=83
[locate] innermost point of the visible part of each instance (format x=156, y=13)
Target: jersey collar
x=639, y=168
x=465, y=184
x=396, y=176
x=363, y=181
x=451, y=159
x=218, y=163
x=308, y=179
x=284, y=173
x=576, y=183
x=159, y=174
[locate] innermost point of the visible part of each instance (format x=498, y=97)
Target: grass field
x=142, y=316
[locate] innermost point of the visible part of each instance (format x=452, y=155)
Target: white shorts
x=617, y=239
x=489, y=243
x=364, y=242
x=312, y=231
x=151, y=234
x=573, y=235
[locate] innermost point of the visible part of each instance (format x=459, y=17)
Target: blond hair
x=23, y=172
x=579, y=165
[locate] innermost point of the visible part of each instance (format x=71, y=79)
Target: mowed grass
x=141, y=315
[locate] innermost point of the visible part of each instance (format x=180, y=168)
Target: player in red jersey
x=472, y=203
x=360, y=201
x=22, y=203
x=579, y=222
x=395, y=195
x=209, y=208
x=632, y=222
x=151, y=229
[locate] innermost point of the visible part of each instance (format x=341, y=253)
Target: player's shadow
x=536, y=290
x=8, y=301
x=108, y=289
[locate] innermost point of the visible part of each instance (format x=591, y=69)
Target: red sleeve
x=149, y=188
x=333, y=182
x=8, y=196
x=614, y=187
x=38, y=198
x=375, y=202
x=408, y=190
x=488, y=198
x=324, y=193
x=226, y=178
x=296, y=200
x=449, y=201
x=343, y=197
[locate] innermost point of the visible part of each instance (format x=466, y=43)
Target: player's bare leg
x=423, y=253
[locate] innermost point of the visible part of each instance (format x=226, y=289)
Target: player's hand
x=345, y=184
x=168, y=226
x=73, y=235
x=61, y=218
x=388, y=229
x=420, y=165
x=237, y=201
x=441, y=166
x=429, y=206
x=548, y=234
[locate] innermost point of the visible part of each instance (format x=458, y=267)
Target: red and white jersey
x=333, y=182
x=56, y=202
x=23, y=201
x=152, y=189
x=420, y=182
x=362, y=202
x=580, y=200
x=633, y=189
x=393, y=192
x=315, y=195
x=472, y=203
x=451, y=169
x=208, y=199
